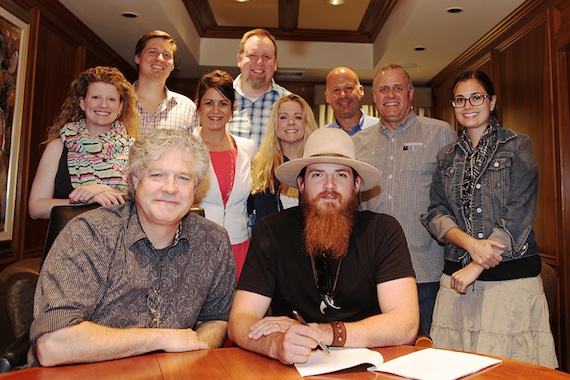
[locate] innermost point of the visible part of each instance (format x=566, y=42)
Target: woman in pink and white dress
x=224, y=192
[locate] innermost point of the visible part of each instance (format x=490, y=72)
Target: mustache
x=325, y=193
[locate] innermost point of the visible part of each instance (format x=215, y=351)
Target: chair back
x=59, y=217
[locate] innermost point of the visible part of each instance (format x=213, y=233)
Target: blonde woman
x=290, y=124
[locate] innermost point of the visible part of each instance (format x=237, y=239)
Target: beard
x=328, y=226
x=256, y=83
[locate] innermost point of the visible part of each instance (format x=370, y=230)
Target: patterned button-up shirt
x=176, y=111
x=250, y=118
x=102, y=268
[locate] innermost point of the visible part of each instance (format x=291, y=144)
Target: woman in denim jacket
x=483, y=206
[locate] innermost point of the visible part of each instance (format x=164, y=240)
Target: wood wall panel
x=525, y=102
x=59, y=58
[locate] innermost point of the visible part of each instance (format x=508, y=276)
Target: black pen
x=302, y=321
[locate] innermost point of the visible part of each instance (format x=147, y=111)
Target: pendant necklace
x=322, y=280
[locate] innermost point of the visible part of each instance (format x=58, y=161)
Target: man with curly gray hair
x=144, y=276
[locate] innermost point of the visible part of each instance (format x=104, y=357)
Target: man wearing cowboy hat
x=348, y=273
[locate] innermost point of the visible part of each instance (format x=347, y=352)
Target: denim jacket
x=504, y=202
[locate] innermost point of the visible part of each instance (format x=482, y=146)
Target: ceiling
x=313, y=36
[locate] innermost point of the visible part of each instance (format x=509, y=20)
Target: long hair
x=71, y=111
x=270, y=154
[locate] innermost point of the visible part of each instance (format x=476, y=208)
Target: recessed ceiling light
x=455, y=10
x=419, y=48
x=242, y=1
x=335, y=2
x=129, y=14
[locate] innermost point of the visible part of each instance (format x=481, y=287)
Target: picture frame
x=13, y=59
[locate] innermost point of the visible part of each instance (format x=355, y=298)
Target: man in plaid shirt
x=159, y=107
x=256, y=91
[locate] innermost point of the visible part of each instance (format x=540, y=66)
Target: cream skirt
x=500, y=318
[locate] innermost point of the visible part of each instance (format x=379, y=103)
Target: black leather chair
x=17, y=288
x=58, y=218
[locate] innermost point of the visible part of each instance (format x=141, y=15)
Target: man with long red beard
x=348, y=273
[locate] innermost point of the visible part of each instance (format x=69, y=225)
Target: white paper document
x=434, y=364
x=340, y=358
x=428, y=364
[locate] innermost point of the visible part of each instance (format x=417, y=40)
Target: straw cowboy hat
x=329, y=146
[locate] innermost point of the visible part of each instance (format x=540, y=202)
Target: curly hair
x=71, y=111
x=270, y=154
x=155, y=144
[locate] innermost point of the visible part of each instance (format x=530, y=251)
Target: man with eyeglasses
x=348, y=273
x=144, y=276
x=404, y=148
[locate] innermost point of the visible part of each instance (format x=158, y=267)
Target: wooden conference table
x=235, y=363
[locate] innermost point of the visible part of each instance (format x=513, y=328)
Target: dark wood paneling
x=59, y=58
x=525, y=101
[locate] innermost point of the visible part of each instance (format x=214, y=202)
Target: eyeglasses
x=475, y=100
x=153, y=302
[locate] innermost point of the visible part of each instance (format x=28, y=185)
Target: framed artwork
x=13, y=53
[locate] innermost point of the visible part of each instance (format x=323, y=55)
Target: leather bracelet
x=339, y=334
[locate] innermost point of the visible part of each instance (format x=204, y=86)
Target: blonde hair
x=70, y=111
x=270, y=154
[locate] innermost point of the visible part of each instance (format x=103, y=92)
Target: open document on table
x=426, y=364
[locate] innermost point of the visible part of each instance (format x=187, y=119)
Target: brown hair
x=218, y=80
x=141, y=43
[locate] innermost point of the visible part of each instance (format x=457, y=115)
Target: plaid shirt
x=407, y=159
x=250, y=118
x=176, y=111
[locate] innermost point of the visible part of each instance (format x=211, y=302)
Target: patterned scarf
x=476, y=159
x=96, y=159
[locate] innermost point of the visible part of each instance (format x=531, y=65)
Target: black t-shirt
x=277, y=267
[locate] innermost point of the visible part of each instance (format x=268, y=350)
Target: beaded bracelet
x=339, y=333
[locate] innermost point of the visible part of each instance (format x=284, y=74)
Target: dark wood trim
x=289, y=14
x=375, y=17
x=201, y=15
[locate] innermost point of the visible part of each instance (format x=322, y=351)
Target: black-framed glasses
x=153, y=302
x=475, y=100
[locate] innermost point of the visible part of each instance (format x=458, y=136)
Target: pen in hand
x=302, y=321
